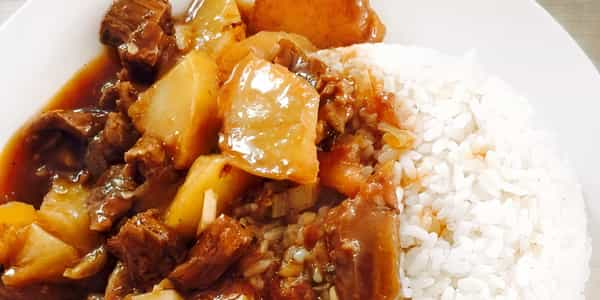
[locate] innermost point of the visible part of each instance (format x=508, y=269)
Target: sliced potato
x=181, y=108
x=208, y=24
x=327, y=23
x=159, y=295
x=17, y=214
x=208, y=172
x=43, y=257
x=264, y=44
x=64, y=214
x=89, y=265
x=11, y=241
x=14, y=216
x=269, y=122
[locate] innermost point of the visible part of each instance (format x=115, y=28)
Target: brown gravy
x=17, y=170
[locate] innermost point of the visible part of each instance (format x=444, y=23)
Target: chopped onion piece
x=209, y=210
x=302, y=197
x=397, y=138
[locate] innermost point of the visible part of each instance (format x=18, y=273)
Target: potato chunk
x=207, y=173
x=43, y=257
x=327, y=23
x=13, y=217
x=270, y=119
x=11, y=241
x=89, y=265
x=64, y=214
x=209, y=25
x=181, y=108
x=17, y=214
x=264, y=44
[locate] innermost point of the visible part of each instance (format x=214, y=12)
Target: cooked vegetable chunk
x=119, y=283
x=11, y=241
x=340, y=168
x=43, y=257
x=264, y=44
x=209, y=25
x=327, y=23
x=208, y=172
x=270, y=119
x=89, y=265
x=181, y=108
x=17, y=214
x=64, y=213
x=14, y=216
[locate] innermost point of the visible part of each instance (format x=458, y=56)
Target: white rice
x=513, y=211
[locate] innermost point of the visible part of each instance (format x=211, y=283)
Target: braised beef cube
x=139, y=29
x=219, y=246
x=148, y=248
x=126, y=16
x=143, y=50
x=228, y=290
x=293, y=58
x=291, y=289
x=55, y=152
x=362, y=239
x=80, y=124
x=148, y=156
x=110, y=144
x=112, y=197
x=117, y=96
x=154, y=164
x=119, y=132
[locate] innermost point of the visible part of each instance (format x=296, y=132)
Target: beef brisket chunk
x=109, y=146
x=126, y=16
x=112, y=197
x=118, y=95
x=142, y=52
x=160, y=179
x=362, y=238
x=148, y=248
x=81, y=124
x=219, y=246
x=140, y=30
x=148, y=156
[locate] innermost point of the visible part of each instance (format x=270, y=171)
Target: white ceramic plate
x=47, y=41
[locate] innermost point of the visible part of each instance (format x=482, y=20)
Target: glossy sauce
x=18, y=181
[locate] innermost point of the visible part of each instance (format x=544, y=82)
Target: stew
x=208, y=156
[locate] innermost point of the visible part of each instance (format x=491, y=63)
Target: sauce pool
x=18, y=181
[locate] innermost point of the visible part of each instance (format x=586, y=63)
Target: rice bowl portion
x=490, y=210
